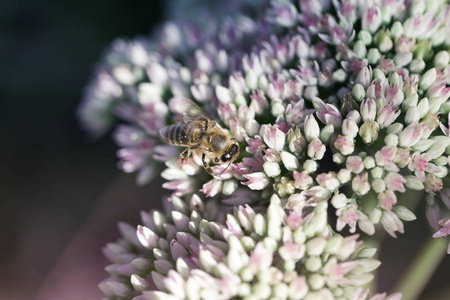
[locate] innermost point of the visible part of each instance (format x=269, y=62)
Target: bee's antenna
x=225, y=168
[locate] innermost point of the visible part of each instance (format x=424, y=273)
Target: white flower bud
x=259, y=225
x=316, y=282
x=397, y=29
x=360, y=49
x=377, y=172
x=223, y=94
x=251, y=80
x=289, y=160
x=395, y=128
x=378, y=185
x=379, y=74
x=344, y=175
x=428, y=79
x=375, y=215
x=417, y=65
x=312, y=129
x=365, y=37
x=441, y=59
x=391, y=140
x=423, y=107
x=310, y=166
x=339, y=201
x=358, y=92
x=339, y=75
x=139, y=283
x=327, y=133
x=373, y=56
x=229, y=187
x=272, y=169
x=316, y=246
x=404, y=213
x=412, y=115
x=402, y=59
x=367, y=227
x=313, y=264
x=277, y=108
x=339, y=158
x=411, y=100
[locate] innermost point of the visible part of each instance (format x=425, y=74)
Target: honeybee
x=198, y=131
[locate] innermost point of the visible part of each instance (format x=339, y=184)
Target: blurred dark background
x=53, y=180
x=61, y=195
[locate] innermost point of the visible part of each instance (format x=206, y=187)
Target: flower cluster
x=272, y=255
x=340, y=107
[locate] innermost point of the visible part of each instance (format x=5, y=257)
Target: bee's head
x=230, y=154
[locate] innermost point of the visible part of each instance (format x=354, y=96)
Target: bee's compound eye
x=225, y=157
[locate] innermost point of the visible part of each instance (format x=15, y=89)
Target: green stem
x=421, y=269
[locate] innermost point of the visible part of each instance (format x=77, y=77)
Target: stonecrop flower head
x=339, y=107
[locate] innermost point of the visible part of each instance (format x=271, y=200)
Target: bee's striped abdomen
x=176, y=134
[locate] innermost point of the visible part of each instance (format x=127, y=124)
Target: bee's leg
x=185, y=154
x=205, y=164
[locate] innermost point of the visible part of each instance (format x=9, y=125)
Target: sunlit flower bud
x=289, y=160
x=373, y=56
x=273, y=137
x=344, y=144
x=358, y=92
x=223, y=94
x=371, y=19
x=272, y=169
x=368, y=110
x=229, y=187
x=339, y=75
x=344, y=175
x=310, y=166
x=327, y=113
x=339, y=158
x=442, y=59
x=417, y=65
x=354, y=164
x=412, y=115
x=360, y=49
x=350, y=128
x=402, y=59
x=428, y=79
x=395, y=182
x=391, y=223
x=256, y=181
x=410, y=101
x=378, y=74
x=397, y=29
x=378, y=185
x=375, y=215
x=387, y=199
x=423, y=107
x=312, y=129
x=316, y=149
x=277, y=108
x=410, y=135
x=360, y=184
x=369, y=131
x=364, y=77
x=404, y=213
x=383, y=41
x=365, y=37
x=339, y=201
x=283, y=13
x=433, y=184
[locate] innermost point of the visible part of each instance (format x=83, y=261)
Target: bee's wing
x=191, y=111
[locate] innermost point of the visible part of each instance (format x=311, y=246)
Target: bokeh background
x=61, y=194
